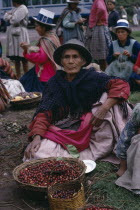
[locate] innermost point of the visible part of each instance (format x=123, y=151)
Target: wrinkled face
x=110, y=6
x=40, y=29
x=122, y=34
x=72, y=61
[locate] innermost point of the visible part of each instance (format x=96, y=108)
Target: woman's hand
x=81, y=21
x=24, y=46
x=98, y=117
x=116, y=54
x=100, y=114
x=33, y=147
x=126, y=53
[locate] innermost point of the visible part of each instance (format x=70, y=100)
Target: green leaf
x=73, y=151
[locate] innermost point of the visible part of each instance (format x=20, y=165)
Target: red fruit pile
x=49, y=173
x=65, y=194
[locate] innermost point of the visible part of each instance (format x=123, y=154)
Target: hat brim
x=43, y=23
x=82, y=50
x=68, y=1
x=128, y=29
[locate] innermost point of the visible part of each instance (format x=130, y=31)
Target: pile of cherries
x=49, y=173
x=64, y=194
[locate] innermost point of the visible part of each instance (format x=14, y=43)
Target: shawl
x=61, y=97
x=50, y=43
x=63, y=15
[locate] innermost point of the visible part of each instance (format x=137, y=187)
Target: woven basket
x=67, y=204
x=33, y=187
x=26, y=103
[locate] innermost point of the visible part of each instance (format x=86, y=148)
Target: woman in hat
x=98, y=38
x=41, y=56
x=64, y=116
x=125, y=45
x=71, y=22
x=17, y=33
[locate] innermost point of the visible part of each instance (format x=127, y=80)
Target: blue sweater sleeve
x=110, y=56
x=135, y=52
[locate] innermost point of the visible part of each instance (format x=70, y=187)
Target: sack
x=15, y=31
x=121, y=67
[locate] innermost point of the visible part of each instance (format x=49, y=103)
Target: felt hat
x=45, y=16
x=72, y=44
x=122, y=23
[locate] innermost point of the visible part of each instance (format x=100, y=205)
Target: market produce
x=65, y=194
x=49, y=173
x=24, y=95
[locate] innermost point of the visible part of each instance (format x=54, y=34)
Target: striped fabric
x=50, y=43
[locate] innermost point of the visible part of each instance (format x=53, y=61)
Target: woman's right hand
x=24, y=46
x=33, y=147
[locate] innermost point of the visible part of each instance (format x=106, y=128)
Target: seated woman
x=45, y=67
x=128, y=150
x=73, y=112
x=125, y=48
x=9, y=79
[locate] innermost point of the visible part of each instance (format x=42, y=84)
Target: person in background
x=98, y=38
x=17, y=33
x=138, y=7
x=135, y=16
x=71, y=22
x=125, y=45
x=42, y=54
x=112, y=18
x=123, y=13
x=135, y=77
x=79, y=109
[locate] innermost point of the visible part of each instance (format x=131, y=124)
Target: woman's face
x=122, y=34
x=72, y=61
x=40, y=29
x=73, y=6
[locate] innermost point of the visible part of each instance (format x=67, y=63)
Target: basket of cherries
x=40, y=174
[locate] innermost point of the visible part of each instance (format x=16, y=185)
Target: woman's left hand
x=126, y=53
x=98, y=117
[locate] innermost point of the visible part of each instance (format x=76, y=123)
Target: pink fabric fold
x=80, y=138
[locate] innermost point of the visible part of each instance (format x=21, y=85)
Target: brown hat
x=73, y=1
x=72, y=44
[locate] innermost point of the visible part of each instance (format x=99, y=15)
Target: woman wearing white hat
x=42, y=57
x=71, y=22
x=125, y=46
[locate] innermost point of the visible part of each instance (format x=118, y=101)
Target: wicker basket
x=33, y=187
x=73, y=203
x=26, y=103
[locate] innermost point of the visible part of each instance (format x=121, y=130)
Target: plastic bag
x=121, y=67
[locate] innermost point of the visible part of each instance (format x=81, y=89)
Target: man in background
x=112, y=18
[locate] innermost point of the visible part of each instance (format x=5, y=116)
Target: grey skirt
x=98, y=42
